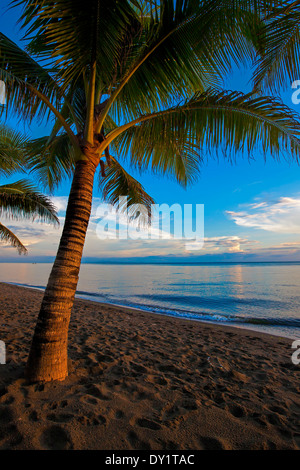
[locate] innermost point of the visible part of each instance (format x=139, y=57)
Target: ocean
x=259, y=296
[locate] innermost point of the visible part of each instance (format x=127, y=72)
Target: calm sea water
x=259, y=296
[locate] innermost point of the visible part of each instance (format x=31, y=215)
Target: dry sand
x=144, y=381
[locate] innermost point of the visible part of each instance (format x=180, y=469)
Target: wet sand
x=143, y=381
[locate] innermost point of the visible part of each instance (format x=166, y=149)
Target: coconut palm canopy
x=279, y=64
x=135, y=82
x=147, y=76
x=19, y=200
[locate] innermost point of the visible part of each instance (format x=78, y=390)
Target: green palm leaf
x=161, y=47
x=171, y=141
x=21, y=200
x=23, y=76
x=7, y=236
x=50, y=159
x=280, y=48
x=117, y=183
x=184, y=47
x=77, y=33
x=12, y=150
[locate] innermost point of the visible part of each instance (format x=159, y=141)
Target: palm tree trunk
x=48, y=358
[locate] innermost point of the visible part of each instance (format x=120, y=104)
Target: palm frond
x=50, y=159
x=21, y=74
x=75, y=33
x=149, y=55
x=279, y=64
x=117, y=182
x=170, y=154
x=79, y=105
x=171, y=141
x=7, y=236
x=21, y=200
x=161, y=47
x=12, y=150
x=187, y=46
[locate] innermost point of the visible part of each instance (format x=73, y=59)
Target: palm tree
x=19, y=199
x=142, y=81
x=279, y=44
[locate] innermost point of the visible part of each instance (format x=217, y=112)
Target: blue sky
x=251, y=209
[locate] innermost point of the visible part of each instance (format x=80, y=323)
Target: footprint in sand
x=89, y=399
x=96, y=391
x=91, y=420
x=218, y=398
x=209, y=443
x=56, y=438
x=9, y=433
x=236, y=411
x=119, y=414
x=147, y=423
x=14, y=436
x=170, y=411
x=33, y=416
x=5, y=397
x=189, y=404
x=137, y=443
x=6, y=415
x=60, y=418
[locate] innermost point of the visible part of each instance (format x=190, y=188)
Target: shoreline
x=224, y=324
x=143, y=381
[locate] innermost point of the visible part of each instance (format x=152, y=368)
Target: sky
x=251, y=208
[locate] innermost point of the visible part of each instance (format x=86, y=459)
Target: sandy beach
x=144, y=381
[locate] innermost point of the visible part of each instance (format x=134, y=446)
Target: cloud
x=60, y=202
x=281, y=216
x=289, y=245
x=33, y=233
x=228, y=244
x=232, y=244
x=43, y=239
x=28, y=235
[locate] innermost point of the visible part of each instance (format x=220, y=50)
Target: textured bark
x=48, y=358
